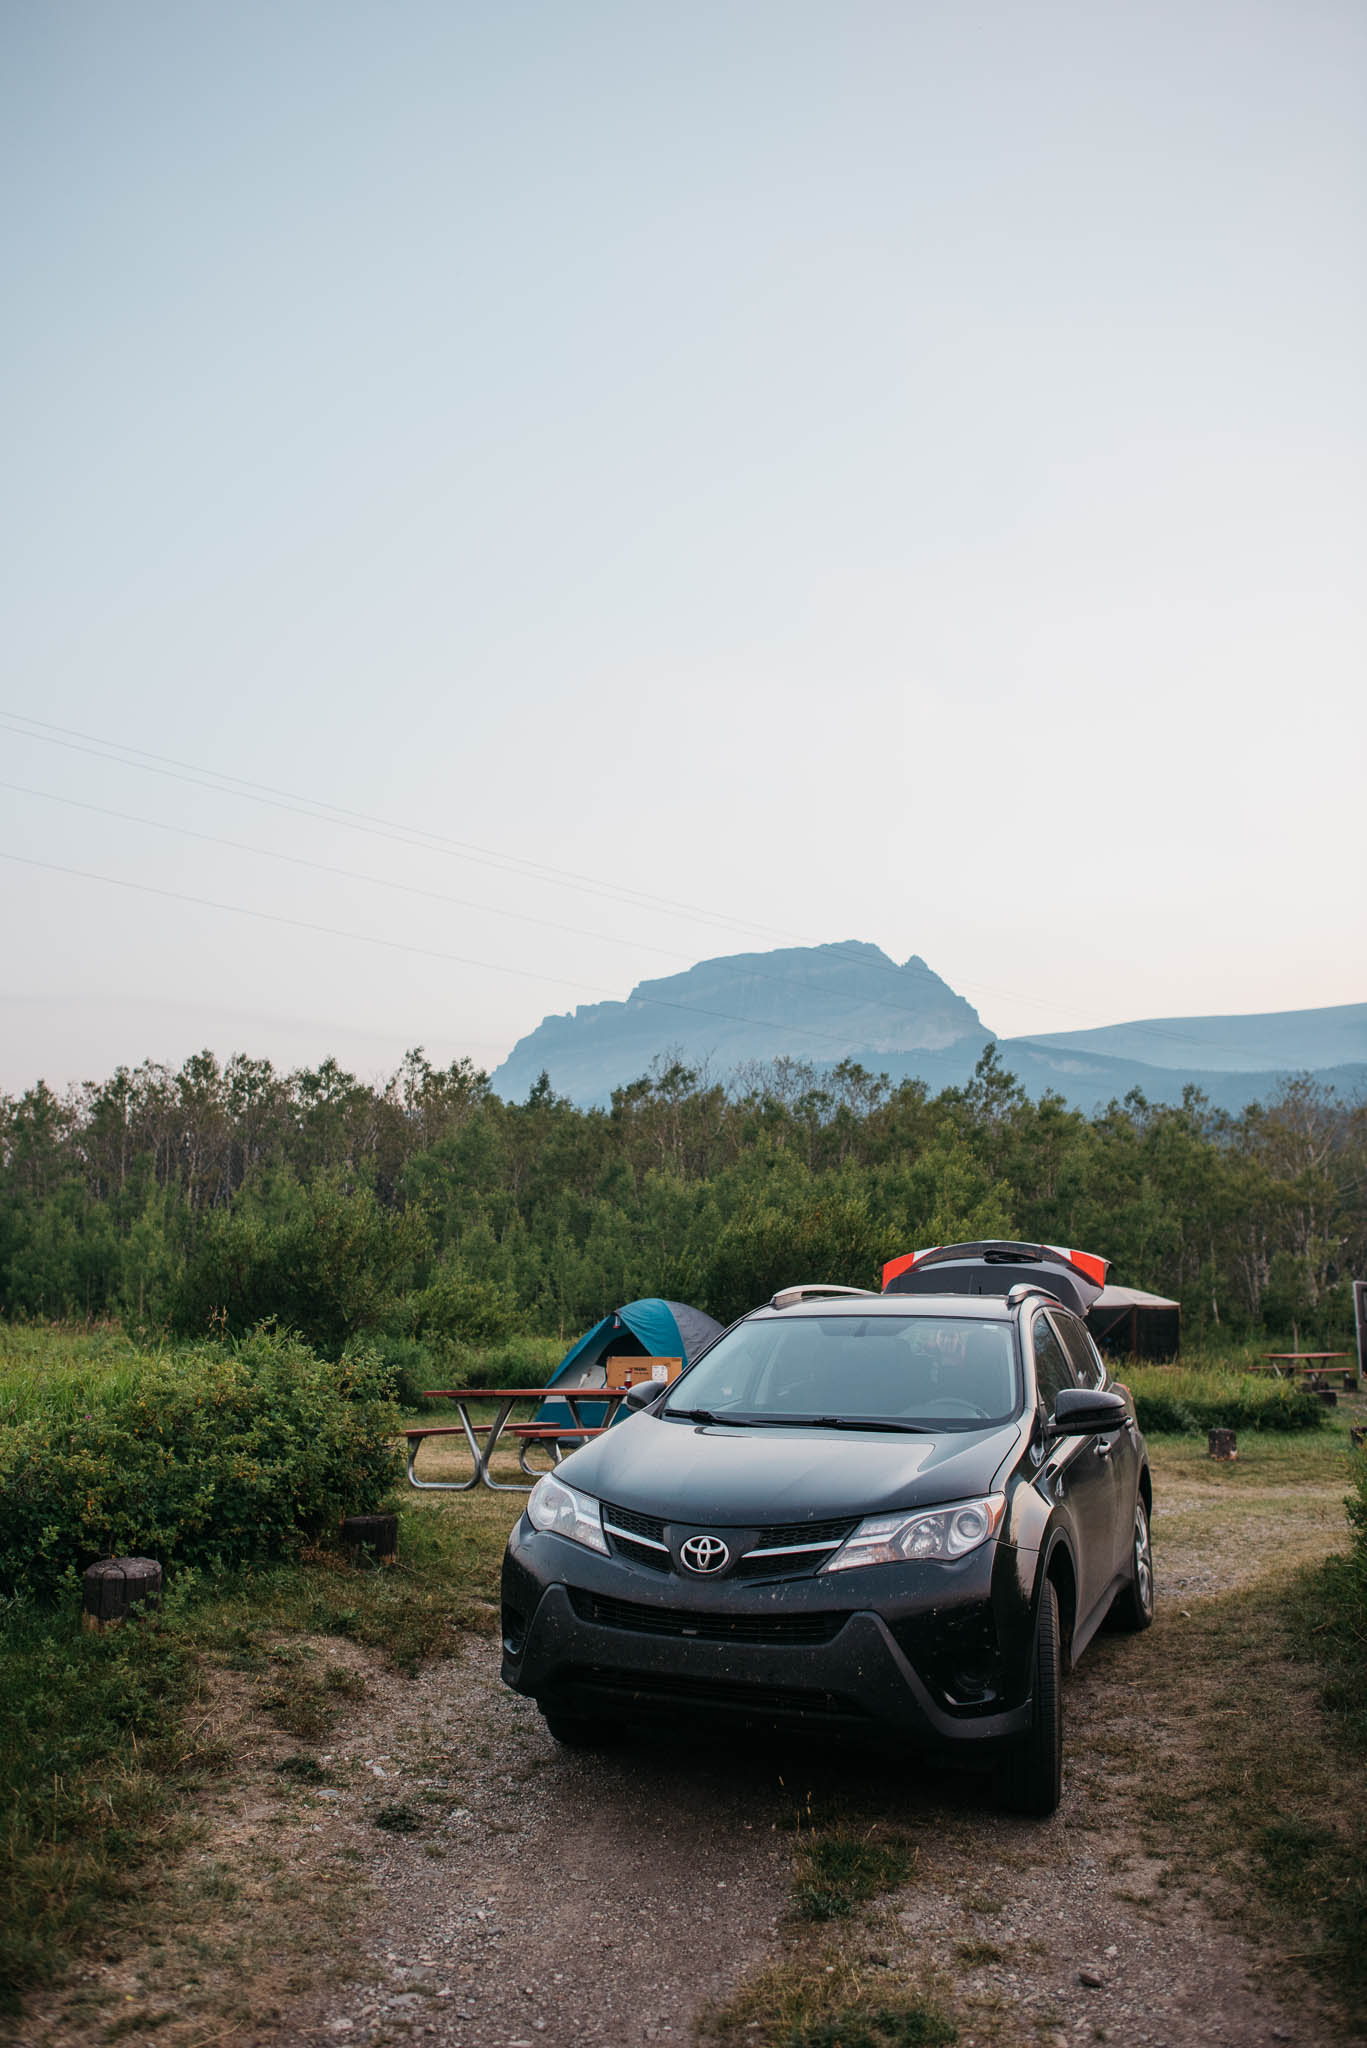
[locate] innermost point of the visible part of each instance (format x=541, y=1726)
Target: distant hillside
x=850, y=1001
x=1281, y=1038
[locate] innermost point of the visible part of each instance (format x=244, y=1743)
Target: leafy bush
x=327, y=1259
x=212, y=1455
x=459, y=1307
x=1171, y=1400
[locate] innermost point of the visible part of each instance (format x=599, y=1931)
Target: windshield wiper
x=841, y=1422
x=693, y=1414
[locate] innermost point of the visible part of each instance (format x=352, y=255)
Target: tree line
x=425, y=1209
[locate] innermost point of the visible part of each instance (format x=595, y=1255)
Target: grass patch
x=841, y=1870
x=96, y=1766
x=822, y=2000
x=399, y=1819
x=93, y=1762
x=916, y=2025
x=1262, y=1788
x=973, y=1953
x=304, y=1770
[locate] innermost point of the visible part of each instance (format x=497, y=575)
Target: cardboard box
x=629, y=1372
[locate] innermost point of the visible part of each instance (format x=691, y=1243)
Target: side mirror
x=644, y=1394
x=1085, y=1411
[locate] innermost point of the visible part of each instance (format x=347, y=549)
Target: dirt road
x=519, y=1894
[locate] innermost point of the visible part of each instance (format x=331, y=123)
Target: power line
x=401, y=946
x=359, y=821
x=429, y=895
x=117, y=751
x=320, y=809
x=322, y=867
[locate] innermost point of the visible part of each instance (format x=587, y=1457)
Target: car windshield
x=931, y=1372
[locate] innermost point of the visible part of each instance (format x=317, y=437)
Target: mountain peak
x=843, y=1000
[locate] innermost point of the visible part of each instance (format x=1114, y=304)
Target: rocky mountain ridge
x=850, y=1001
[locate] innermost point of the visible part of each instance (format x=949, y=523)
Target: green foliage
x=215, y=1454
x=839, y=1870
x=427, y=1211
x=326, y=1259
x=89, y=1740
x=99, y=1757
x=458, y=1307
x=1330, y=1622
x=910, y=2024
x=1171, y=1400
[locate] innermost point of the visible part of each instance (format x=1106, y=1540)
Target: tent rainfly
x=652, y=1328
x=1124, y=1319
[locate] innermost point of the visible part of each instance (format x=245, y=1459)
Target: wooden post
x=374, y=1536
x=1220, y=1444
x=115, y=1586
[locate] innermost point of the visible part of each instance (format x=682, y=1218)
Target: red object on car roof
x=995, y=1266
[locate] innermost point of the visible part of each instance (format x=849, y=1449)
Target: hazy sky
x=843, y=471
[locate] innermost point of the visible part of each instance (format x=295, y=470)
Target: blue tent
x=643, y=1329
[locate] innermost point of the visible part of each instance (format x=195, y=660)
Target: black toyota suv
x=898, y=1516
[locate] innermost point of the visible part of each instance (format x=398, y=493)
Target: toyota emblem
x=705, y=1554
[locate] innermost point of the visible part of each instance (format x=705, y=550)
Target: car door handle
x=1103, y=1445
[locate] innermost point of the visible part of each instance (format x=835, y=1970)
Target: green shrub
x=90, y=1738
x=1174, y=1400
x=212, y=1455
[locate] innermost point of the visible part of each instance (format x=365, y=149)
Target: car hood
x=744, y=1478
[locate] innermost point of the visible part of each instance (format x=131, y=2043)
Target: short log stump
x=115, y=1586
x=374, y=1536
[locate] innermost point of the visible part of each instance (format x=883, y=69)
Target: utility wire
x=322, y=811
x=358, y=821
x=436, y=895
x=401, y=946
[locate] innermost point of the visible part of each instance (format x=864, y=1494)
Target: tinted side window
x=1052, y=1369
x=1086, y=1359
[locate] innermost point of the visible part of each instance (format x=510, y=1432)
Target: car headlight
x=553, y=1506
x=943, y=1533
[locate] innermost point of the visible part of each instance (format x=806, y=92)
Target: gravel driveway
x=444, y=1873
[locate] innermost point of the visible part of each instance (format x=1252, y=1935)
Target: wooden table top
x=522, y=1393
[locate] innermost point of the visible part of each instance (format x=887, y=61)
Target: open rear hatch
x=995, y=1266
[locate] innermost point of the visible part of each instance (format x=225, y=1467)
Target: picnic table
x=1312, y=1365
x=549, y=1435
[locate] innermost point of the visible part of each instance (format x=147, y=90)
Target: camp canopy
x=643, y=1329
x=1144, y=1325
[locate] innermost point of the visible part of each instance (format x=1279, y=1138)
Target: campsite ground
x=389, y=1858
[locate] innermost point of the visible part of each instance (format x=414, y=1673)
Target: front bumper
x=933, y=1656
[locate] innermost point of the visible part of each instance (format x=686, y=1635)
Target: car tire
x=1031, y=1778
x=1132, y=1607
x=572, y=1732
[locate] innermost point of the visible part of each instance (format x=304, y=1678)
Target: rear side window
x=1086, y=1359
x=1052, y=1369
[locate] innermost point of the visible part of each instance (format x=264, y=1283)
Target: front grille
x=709, y=1628
x=806, y=1532
x=716, y=1692
x=776, y=1555
x=618, y=1520
x=635, y=1525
